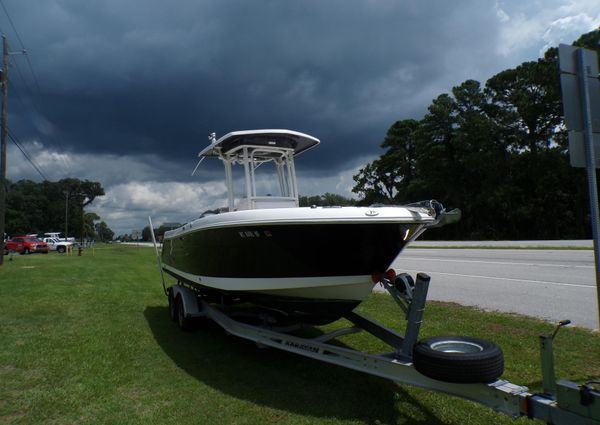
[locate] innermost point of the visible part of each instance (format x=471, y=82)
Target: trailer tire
x=458, y=359
x=172, y=306
x=185, y=323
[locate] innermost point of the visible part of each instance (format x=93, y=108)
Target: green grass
x=87, y=340
x=554, y=248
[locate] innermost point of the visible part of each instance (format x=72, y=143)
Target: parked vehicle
x=56, y=235
x=54, y=244
x=25, y=245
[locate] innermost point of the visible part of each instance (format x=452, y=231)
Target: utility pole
x=66, y=215
x=3, y=141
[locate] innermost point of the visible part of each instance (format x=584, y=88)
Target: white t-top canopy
x=271, y=138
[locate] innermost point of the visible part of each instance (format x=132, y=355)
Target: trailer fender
x=189, y=301
x=458, y=359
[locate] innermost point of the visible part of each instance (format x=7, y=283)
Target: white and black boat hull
x=314, y=271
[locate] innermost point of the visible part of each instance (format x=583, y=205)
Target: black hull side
x=284, y=251
x=299, y=250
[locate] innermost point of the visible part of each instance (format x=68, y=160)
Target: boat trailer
x=561, y=402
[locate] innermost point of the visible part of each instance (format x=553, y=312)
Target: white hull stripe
x=338, y=287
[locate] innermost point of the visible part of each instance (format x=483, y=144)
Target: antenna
x=213, y=139
x=197, y=165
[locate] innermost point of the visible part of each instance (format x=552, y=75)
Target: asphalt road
x=548, y=284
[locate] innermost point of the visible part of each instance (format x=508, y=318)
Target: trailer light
x=524, y=403
x=378, y=276
x=390, y=275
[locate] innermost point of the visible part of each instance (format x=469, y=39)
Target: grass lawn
x=87, y=340
x=507, y=247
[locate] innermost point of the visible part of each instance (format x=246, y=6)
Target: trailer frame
x=562, y=402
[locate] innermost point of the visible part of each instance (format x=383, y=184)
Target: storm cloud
x=129, y=90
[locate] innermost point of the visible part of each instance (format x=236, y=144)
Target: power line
x=65, y=165
x=11, y=22
x=22, y=45
x=37, y=84
x=16, y=65
x=13, y=90
x=18, y=144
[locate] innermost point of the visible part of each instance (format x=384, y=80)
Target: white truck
x=55, y=244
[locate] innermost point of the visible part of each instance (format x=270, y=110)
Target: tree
x=499, y=152
x=103, y=232
x=83, y=193
x=160, y=232
x=43, y=207
x=388, y=178
x=25, y=206
x=527, y=99
x=399, y=161
x=328, y=199
x=89, y=228
x=146, y=234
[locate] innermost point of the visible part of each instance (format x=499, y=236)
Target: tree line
x=159, y=232
x=497, y=151
x=33, y=207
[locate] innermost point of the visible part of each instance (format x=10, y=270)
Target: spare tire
x=458, y=359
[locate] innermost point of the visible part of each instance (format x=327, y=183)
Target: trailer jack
x=562, y=402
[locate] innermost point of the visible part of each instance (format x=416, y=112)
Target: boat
x=309, y=264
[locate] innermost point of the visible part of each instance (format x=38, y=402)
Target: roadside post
x=581, y=103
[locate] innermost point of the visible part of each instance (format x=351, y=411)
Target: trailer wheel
x=172, y=305
x=458, y=359
x=185, y=323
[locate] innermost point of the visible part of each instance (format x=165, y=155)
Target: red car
x=25, y=245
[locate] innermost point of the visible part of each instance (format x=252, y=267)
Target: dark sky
x=127, y=91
